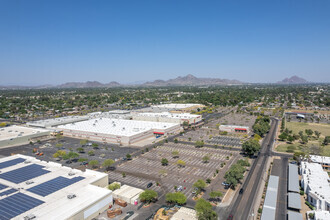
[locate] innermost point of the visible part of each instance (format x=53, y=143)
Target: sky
x=58, y=41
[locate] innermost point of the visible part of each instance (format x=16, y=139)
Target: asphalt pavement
x=241, y=208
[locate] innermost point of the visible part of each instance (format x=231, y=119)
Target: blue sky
x=56, y=41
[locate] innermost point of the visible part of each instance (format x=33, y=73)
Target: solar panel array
x=25, y=173
x=17, y=204
x=10, y=163
x=7, y=192
x=2, y=186
x=53, y=185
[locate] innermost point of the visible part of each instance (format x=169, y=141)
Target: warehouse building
x=48, y=123
x=118, y=130
x=168, y=117
x=16, y=135
x=34, y=189
x=315, y=182
x=234, y=128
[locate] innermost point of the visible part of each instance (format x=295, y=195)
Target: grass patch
x=301, y=126
x=298, y=147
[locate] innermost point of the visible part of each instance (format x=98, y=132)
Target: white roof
x=118, y=127
x=18, y=131
x=319, y=159
x=127, y=191
x=317, y=179
x=175, y=106
x=320, y=215
x=57, y=121
x=185, y=214
x=56, y=205
x=170, y=115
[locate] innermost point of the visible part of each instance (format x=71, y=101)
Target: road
x=242, y=207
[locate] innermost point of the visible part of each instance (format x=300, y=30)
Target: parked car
x=149, y=185
x=225, y=184
x=84, y=163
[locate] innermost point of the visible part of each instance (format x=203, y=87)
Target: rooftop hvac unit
x=71, y=196
x=71, y=174
x=27, y=161
x=29, y=182
x=29, y=217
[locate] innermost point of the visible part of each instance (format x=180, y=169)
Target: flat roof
x=269, y=208
x=294, y=201
x=293, y=182
x=320, y=214
x=127, y=191
x=317, y=180
x=18, y=131
x=118, y=127
x=185, y=214
x=48, y=190
x=57, y=121
x=294, y=215
x=169, y=115
x=176, y=105
x=319, y=159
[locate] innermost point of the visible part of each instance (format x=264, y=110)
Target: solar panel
x=17, y=204
x=2, y=186
x=7, y=192
x=10, y=163
x=25, y=173
x=53, y=185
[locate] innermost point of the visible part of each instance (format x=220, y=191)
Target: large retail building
x=118, y=130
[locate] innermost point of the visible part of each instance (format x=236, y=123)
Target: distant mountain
x=88, y=84
x=191, y=80
x=293, y=80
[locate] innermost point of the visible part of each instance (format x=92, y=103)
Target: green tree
x=175, y=154
x=93, y=163
x=181, y=163
x=82, y=159
x=164, y=162
x=148, y=196
x=108, y=163
x=290, y=139
x=200, y=185
x=215, y=194
x=251, y=147
x=206, y=159
x=304, y=139
x=91, y=153
x=114, y=186
x=317, y=133
x=176, y=198
x=204, y=210
x=199, y=144
x=59, y=154
x=309, y=132
x=80, y=150
x=176, y=140
x=128, y=156
x=326, y=140
x=234, y=175
x=283, y=136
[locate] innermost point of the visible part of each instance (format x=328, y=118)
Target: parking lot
x=233, y=119
x=49, y=147
x=225, y=141
x=148, y=168
x=200, y=134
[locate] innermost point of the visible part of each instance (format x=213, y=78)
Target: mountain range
x=293, y=80
x=188, y=80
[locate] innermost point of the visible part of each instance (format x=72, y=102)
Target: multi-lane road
x=243, y=203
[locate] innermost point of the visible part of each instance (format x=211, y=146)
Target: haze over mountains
x=188, y=80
